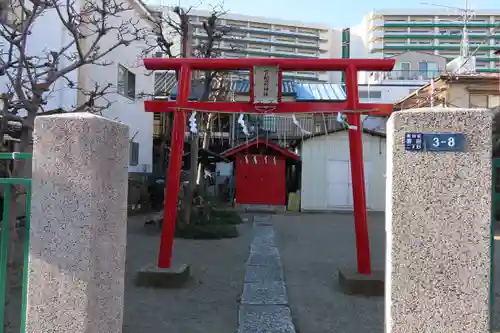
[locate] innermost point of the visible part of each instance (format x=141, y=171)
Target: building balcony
x=270, y=41
x=402, y=75
x=438, y=24
x=430, y=47
x=269, y=31
x=262, y=52
x=420, y=35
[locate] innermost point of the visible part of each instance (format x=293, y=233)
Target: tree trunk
x=191, y=187
x=200, y=177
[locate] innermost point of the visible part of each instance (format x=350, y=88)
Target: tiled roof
x=301, y=91
x=242, y=86
x=319, y=92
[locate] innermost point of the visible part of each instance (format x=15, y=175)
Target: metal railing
x=7, y=184
x=403, y=75
x=283, y=127
x=164, y=82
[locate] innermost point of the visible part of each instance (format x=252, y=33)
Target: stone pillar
x=78, y=225
x=438, y=219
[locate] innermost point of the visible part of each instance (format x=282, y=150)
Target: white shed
x=326, y=176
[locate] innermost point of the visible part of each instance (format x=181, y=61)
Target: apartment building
x=390, y=32
x=251, y=36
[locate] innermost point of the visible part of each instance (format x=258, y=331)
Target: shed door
x=260, y=180
x=338, y=185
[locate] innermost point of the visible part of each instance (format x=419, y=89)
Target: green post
x=3, y=253
x=4, y=238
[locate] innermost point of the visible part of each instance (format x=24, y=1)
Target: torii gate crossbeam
x=351, y=106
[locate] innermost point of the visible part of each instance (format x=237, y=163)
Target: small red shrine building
x=261, y=169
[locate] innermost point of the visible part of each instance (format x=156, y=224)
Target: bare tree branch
x=30, y=75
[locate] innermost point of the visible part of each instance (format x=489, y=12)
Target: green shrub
x=225, y=217
x=207, y=231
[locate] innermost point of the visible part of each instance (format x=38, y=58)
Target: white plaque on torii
x=265, y=85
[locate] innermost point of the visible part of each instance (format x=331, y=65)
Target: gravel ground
x=312, y=247
x=209, y=304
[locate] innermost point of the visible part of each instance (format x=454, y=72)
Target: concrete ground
x=208, y=304
x=312, y=248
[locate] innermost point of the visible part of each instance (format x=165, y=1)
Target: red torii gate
x=350, y=67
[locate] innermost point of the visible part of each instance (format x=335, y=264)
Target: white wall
x=48, y=34
x=315, y=154
x=388, y=93
x=128, y=111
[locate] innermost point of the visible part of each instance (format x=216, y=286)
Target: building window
x=126, y=82
x=134, y=153
x=284, y=49
x=284, y=28
x=422, y=68
x=307, y=31
x=264, y=26
x=307, y=52
x=404, y=71
x=484, y=101
x=478, y=101
x=285, y=40
x=259, y=37
x=308, y=42
x=493, y=101
x=370, y=94
x=237, y=24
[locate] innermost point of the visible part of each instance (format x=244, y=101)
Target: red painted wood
x=328, y=107
x=252, y=143
x=285, y=64
x=174, y=176
x=260, y=183
x=352, y=103
x=359, y=196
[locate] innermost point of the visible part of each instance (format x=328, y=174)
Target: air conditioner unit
x=462, y=65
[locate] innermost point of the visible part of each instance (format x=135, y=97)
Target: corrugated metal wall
x=316, y=155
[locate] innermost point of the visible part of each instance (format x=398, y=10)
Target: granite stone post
x=78, y=225
x=438, y=224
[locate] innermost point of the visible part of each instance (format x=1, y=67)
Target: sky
x=335, y=13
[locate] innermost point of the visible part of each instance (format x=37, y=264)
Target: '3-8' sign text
x=445, y=142
x=450, y=142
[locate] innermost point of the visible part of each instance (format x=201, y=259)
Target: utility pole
x=466, y=14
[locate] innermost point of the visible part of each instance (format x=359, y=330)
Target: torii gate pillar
x=351, y=106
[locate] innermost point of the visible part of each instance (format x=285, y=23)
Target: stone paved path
x=207, y=304
x=264, y=302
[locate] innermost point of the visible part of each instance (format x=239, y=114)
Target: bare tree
x=170, y=29
x=30, y=75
